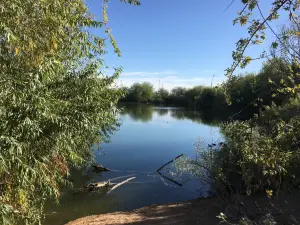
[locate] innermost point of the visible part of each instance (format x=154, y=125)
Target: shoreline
x=200, y=211
x=283, y=209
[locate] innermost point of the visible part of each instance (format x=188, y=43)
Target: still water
x=148, y=137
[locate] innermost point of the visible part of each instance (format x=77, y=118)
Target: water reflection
x=148, y=137
x=161, y=111
x=76, y=202
x=138, y=112
x=144, y=113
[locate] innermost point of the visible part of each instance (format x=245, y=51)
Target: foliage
x=161, y=95
x=140, y=92
x=203, y=167
x=212, y=101
x=54, y=100
x=250, y=160
x=257, y=27
x=199, y=97
x=264, y=160
x=249, y=93
x=263, y=153
x=138, y=112
x=178, y=91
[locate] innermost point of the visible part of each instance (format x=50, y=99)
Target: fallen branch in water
x=119, y=184
x=169, y=162
x=175, y=182
x=100, y=168
x=158, y=170
x=117, y=178
x=94, y=186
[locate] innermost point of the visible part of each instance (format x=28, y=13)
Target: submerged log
x=95, y=186
x=106, y=184
x=100, y=168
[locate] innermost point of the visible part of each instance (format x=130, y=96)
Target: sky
x=174, y=43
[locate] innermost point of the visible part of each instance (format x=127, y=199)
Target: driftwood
x=168, y=162
x=119, y=184
x=100, y=168
x=117, y=178
x=94, y=186
x=105, y=184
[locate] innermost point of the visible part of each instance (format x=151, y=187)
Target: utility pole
x=212, y=81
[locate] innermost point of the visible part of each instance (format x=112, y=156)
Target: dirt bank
x=284, y=209
x=202, y=211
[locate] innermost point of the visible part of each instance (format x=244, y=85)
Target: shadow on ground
x=193, y=212
x=283, y=209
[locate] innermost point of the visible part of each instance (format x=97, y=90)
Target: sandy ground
x=285, y=209
x=194, y=212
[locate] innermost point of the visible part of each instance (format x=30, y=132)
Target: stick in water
x=121, y=177
x=119, y=184
x=175, y=182
x=169, y=162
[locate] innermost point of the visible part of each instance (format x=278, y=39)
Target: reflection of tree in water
x=144, y=113
x=138, y=112
x=210, y=119
x=186, y=114
x=161, y=111
x=195, y=116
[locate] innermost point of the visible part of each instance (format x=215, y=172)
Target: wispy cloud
x=170, y=82
x=148, y=73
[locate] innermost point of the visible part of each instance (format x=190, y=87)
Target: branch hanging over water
x=169, y=162
x=158, y=170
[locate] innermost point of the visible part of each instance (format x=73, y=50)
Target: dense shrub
x=54, y=101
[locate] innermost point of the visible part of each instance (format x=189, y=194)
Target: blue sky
x=175, y=42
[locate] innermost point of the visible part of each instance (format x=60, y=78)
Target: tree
x=161, y=96
x=193, y=94
x=275, y=75
x=256, y=29
x=178, y=91
x=243, y=92
x=177, y=96
x=54, y=101
x=141, y=92
x=288, y=41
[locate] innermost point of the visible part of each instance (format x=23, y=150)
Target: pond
x=147, y=138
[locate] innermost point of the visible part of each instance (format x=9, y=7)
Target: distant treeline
x=247, y=92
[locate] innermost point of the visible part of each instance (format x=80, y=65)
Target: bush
x=54, y=101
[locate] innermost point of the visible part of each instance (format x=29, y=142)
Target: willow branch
x=276, y=35
x=229, y=5
x=253, y=34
